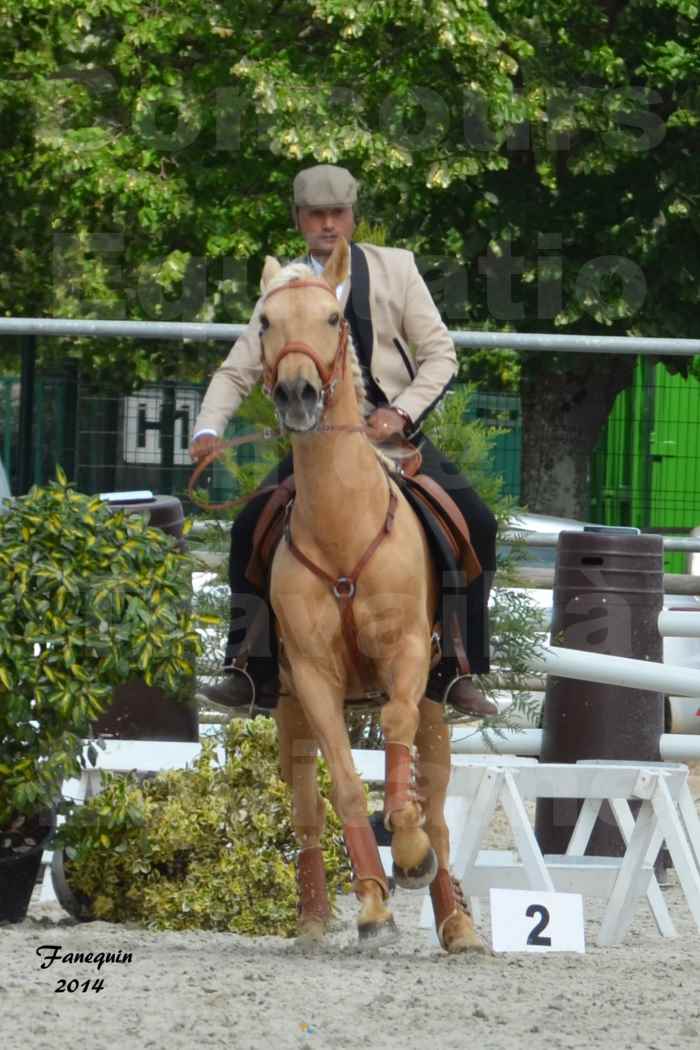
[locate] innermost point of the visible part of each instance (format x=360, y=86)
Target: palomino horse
x=354, y=593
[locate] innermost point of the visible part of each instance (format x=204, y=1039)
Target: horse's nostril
x=295, y=395
x=309, y=395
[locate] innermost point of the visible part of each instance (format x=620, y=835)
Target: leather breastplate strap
x=344, y=587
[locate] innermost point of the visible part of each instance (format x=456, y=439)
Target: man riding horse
x=408, y=362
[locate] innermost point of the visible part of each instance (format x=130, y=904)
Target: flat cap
x=325, y=186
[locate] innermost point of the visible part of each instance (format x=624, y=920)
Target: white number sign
x=530, y=921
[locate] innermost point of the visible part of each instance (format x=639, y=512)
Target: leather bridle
x=329, y=374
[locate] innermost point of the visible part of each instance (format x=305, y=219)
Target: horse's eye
x=334, y=318
x=264, y=322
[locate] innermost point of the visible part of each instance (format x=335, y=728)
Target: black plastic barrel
x=145, y=712
x=163, y=512
x=608, y=593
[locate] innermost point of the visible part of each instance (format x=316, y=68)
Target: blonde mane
x=299, y=270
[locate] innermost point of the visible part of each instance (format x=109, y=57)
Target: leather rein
x=343, y=587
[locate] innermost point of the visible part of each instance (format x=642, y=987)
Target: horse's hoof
x=420, y=876
x=462, y=945
x=459, y=936
x=311, y=931
x=377, y=934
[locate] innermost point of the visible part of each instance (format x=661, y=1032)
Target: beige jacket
x=413, y=357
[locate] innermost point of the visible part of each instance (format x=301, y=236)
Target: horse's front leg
x=323, y=707
x=415, y=861
x=298, y=750
x=453, y=922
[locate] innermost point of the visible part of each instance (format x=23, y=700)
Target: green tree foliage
x=540, y=157
x=146, y=147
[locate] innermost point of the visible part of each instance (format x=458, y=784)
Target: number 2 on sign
x=536, y=921
x=534, y=935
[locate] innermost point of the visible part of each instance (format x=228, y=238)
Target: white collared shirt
x=317, y=267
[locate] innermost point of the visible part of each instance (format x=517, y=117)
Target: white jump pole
x=674, y=747
x=466, y=741
x=679, y=623
x=679, y=747
x=616, y=670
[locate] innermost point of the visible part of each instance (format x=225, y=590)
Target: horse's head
x=304, y=336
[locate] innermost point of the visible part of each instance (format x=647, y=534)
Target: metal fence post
x=25, y=455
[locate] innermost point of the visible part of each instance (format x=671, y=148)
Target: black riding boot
x=446, y=682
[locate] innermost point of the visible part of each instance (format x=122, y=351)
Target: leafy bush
x=87, y=598
x=210, y=847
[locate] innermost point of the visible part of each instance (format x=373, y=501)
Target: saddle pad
x=442, y=547
x=443, y=524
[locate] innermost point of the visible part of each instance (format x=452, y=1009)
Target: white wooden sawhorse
x=666, y=813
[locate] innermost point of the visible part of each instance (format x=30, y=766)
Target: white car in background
x=682, y=713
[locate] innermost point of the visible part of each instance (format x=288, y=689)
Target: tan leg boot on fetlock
x=454, y=925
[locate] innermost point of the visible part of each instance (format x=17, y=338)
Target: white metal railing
x=674, y=583
x=616, y=670
x=688, y=544
x=674, y=747
x=540, y=341
x=680, y=623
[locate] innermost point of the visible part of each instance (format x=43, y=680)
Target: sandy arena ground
x=186, y=990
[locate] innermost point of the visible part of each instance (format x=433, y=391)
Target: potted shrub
x=211, y=847
x=86, y=598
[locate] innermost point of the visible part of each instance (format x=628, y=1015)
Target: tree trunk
x=563, y=414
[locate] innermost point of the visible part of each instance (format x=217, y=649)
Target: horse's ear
x=338, y=266
x=270, y=270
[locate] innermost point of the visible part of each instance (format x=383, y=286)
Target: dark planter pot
x=72, y=901
x=146, y=712
x=19, y=871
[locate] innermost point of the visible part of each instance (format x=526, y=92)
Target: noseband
x=329, y=376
